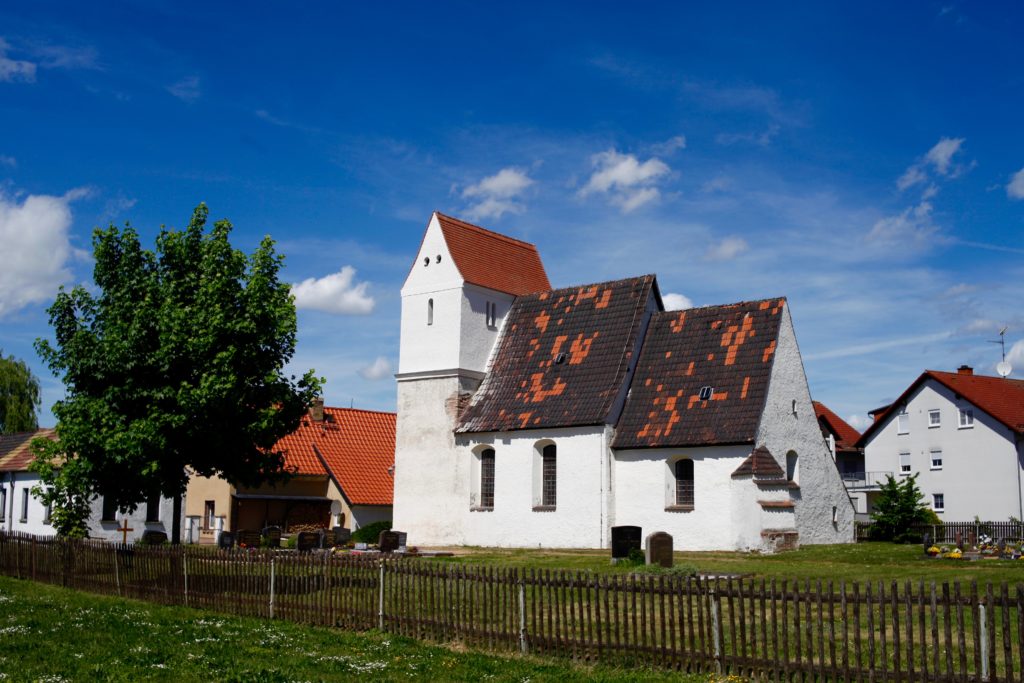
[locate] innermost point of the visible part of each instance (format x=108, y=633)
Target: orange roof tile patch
x=492, y=260
x=606, y=297
x=580, y=348
x=768, y=351
x=541, y=321
x=746, y=385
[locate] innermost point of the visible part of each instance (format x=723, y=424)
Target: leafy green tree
x=19, y=396
x=176, y=365
x=899, y=506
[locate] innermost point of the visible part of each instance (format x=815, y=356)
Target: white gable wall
x=981, y=471
x=477, y=338
x=788, y=424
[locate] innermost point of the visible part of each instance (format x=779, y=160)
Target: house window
x=934, y=418
x=549, y=497
x=153, y=508
x=487, y=478
x=24, y=505
x=209, y=520
x=47, y=511
x=3, y=505
x=684, y=483
x=904, y=462
x=903, y=423
x=938, y=502
x=109, y=510
x=966, y=418
x=936, y=458
x=430, y=311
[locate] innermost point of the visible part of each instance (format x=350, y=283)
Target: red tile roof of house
x=729, y=349
x=562, y=357
x=488, y=259
x=1001, y=398
x=16, y=449
x=358, y=449
x=845, y=435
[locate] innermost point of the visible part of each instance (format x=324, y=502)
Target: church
x=538, y=417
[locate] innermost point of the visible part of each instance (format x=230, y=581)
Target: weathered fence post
x=380, y=600
x=117, y=571
x=522, y=617
x=271, y=587
x=716, y=637
x=184, y=564
x=32, y=558
x=983, y=645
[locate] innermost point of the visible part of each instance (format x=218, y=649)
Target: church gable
x=562, y=358
x=702, y=376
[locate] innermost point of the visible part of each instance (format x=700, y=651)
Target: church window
x=109, y=511
x=430, y=311
x=492, y=314
x=550, y=469
x=684, y=483
x=487, y=478
x=792, y=467
x=153, y=508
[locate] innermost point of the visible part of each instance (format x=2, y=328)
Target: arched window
x=792, y=469
x=430, y=311
x=684, y=483
x=549, y=472
x=487, y=478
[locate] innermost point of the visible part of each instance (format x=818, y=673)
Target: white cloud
x=669, y=146
x=336, y=293
x=859, y=422
x=495, y=195
x=762, y=139
x=913, y=224
x=1015, y=188
x=14, y=70
x=37, y=250
x=186, y=90
x=8, y=161
x=676, y=302
x=941, y=155
x=378, y=369
x=64, y=57
x=912, y=176
x=726, y=250
x=717, y=184
x=628, y=182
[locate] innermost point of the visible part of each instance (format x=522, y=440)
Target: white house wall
x=580, y=516
x=643, y=486
x=788, y=423
x=981, y=471
x=16, y=484
x=106, y=530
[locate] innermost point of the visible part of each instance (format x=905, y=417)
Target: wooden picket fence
x=779, y=630
x=948, y=532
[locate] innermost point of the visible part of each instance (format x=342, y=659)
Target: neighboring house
x=21, y=511
x=532, y=417
x=341, y=464
x=962, y=434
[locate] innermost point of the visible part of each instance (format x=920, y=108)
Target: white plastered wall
x=788, y=424
x=981, y=471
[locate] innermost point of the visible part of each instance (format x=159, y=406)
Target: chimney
x=965, y=370
x=316, y=411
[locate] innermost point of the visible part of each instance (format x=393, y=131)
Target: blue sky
x=866, y=161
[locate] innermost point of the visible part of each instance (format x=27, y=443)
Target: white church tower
x=454, y=301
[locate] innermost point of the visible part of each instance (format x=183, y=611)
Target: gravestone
x=249, y=539
x=326, y=538
x=225, y=540
x=153, y=537
x=625, y=539
x=402, y=536
x=1001, y=545
x=927, y=541
x=388, y=541
x=272, y=534
x=307, y=540
x=658, y=549
x=342, y=535
x=960, y=540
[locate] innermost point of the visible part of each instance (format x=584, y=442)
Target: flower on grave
x=954, y=554
x=933, y=551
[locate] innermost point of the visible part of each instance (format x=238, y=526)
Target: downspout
x=1020, y=501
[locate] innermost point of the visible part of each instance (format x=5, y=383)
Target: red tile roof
x=562, y=357
x=727, y=348
x=1001, y=398
x=491, y=260
x=762, y=464
x=358, y=448
x=845, y=435
x=16, y=449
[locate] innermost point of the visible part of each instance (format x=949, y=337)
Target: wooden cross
x=124, y=530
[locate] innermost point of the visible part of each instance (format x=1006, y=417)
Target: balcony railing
x=864, y=480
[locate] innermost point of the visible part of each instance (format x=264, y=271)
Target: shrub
x=900, y=506
x=371, y=532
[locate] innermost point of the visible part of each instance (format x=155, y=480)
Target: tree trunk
x=176, y=521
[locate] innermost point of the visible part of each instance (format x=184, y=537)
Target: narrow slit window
x=430, y=311
x=487, y=478
x=684, y=483
x=549, y=497
x=24, y=505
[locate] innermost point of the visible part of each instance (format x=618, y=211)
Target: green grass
x=851, y=562
x=54, y=634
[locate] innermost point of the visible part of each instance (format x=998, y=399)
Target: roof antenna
x=352, y=403
x=1003, y=368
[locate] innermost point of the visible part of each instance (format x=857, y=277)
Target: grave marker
x=625, y=539
x=388, y=541
x=658, y=549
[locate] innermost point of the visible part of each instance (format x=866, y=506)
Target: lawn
x=54, y=634
x=850, y=562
